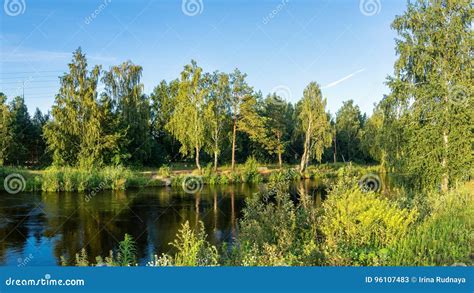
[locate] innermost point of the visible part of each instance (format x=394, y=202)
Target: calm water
x=37, y=229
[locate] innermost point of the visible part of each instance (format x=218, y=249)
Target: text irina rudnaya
x=441, y=280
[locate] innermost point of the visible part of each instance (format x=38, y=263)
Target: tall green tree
x=314, y=123
x=431, y=101
x=216, y=112
x=349, y=123
x=5, y=133
x=162, y=108
x=39, y=148
x=371, y=137
x=22, y=133
x=276, y=124
x=123, y=86
x=187, y=123
x=244, y=111
x=76, y=135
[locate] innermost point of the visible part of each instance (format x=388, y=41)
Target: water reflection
x=40, y=228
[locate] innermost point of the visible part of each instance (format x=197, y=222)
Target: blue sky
x=282, y=45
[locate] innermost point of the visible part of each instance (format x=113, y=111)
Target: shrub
x=360, y=228
x=250, y=171
x=164, y=171
x=192, y=249
x=274, y=231
x=444, y=237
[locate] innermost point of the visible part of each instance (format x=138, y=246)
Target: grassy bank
x=55, y=179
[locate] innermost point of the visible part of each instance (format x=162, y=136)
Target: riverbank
x=56, y=179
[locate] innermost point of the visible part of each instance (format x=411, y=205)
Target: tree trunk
x=280, y=161
x=335, y=149
x=445, y=180
x=304, y=158
x=234, y=133
x=197, y=159
x=280, y=151
x=215, y=160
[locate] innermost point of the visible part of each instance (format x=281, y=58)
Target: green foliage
x=73, y=179
x=192, y=249
x=77, y=133
x=126, y=255
x=360, y=228
x=349, y=124
x=216, y=112
x=81, y=259
x=187, y=123
x=443, y=237
x=285, y=175
x=314, y=123
x=164, y=171
x=250, y=171
x=275, y=232
x=123, y=87
x=5, y=132
x=428, y=116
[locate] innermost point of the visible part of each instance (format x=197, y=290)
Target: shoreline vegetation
x=351, y=228
x=69, y=179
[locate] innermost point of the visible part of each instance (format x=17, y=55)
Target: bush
x=250, y=171
x=444, y=236
x=164, y=171
x=192, y=249
x=276, y=232
x=361, y=228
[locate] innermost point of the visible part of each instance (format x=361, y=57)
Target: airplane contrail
x=334, y=83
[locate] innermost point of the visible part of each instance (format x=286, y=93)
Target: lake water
x=37, y=229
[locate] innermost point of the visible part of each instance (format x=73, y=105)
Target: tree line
x=422, y=129
x=216, y=115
